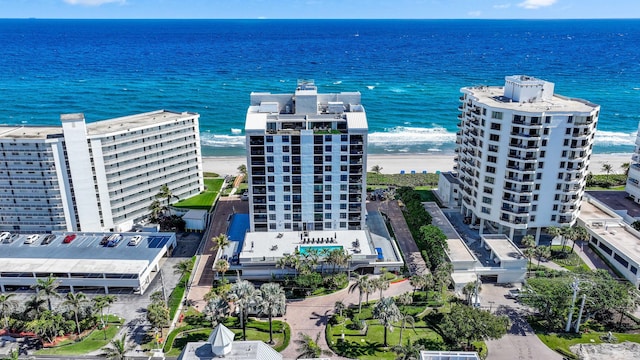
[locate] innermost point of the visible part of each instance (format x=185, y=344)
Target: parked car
x=513, y=294
x=48, y=239
x=5, y=235
x=114, y=240
x=244, y=196
x=105, y=240
x=12, y=238
x=69, y=238
x=135, y=240
x=31, y=239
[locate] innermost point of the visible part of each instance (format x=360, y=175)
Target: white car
x=5, y=235
x=31, y=239
x=135, y=240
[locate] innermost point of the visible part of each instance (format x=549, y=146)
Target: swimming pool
x=238, y=228
x=305, y=249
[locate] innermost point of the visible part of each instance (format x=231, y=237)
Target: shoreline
x=396, y=163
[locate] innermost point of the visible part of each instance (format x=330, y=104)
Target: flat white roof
x=502, y=247
x=490, y=96
x=83, y=254
x=135, y=121
x=356, y=120
x=458, y=250
x=29, y=132
x=611, y=229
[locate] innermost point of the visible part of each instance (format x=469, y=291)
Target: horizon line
x=318, y=19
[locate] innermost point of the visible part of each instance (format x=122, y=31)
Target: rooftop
x=84, y=254
x=458, y=249
x=29, y=132
x=132, y=122
x=494, y=96
x=502, y=247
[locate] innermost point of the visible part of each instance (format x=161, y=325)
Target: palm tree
x=361, y=284
x=387, y=312
x=309, y=348
x=542, y=252
x=625, y=167
x=101, y=302
x=339, y=307
x=381, y=284
x=217, y=309
x=165, y=193
x=442, y=276
x=6, y=306
x=156, y=209
x=242, y=169
x=220, y=242
x=158, y=315
x=411, y=351
x=243, y=294
x=469, y=290
x=34, y=307
x=376, y=169
x=183, y=267
x=117, y=349
x=567, y=234
x=272, y=303
x=406, y=319
x=579, y=233
x=405, y=299
x=221, y=266
x=75, y=302
x=528, y=241
x=607, y=168
x=47, y=288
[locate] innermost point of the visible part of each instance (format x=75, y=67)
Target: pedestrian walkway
x=412, y=258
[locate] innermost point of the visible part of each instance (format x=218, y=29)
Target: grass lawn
x=92, y=342
x=561, y=342
x=256, y=330
x=411, y=180
x=204, y=200
x=572, y=262
x=357, y=345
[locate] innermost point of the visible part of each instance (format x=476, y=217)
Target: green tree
x=243, y=294
x=542, y=252
x=117, y=349
x=387, y=312
x=376, y=169
x=339, y=307
x=158, y=315
x=165, y=193
x=469, y=290
x=220, y=242
x=381, y=284
x=183, y=268
x=48, y=325
x=156, y=209
x=442, y=276
x=242, y=169
x=102, y=302
x=465, y=324
x=217, y=309
x=529, y=243
x=625, y=168
x=308, y=348
x=434, y=242
x=361, y=284
x=75, y=301
x=550, y=297
x=608, y=169
x=47, y=288
x=410, y=351
x=33, y=307
x=7, y=305
x=579, y=233
x=221, y=266
x=272, y=303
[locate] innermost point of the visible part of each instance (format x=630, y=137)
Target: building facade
x=633, y=180
x=100, y=176
x=306, y=160
x=522, y=155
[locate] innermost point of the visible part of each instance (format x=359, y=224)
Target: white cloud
x=93, y=2
x=475, y=13
x=502, y=6
x=536, y=4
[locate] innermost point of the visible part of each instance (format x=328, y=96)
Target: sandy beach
x=395, y=164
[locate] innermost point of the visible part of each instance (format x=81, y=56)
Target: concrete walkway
x=310, y=316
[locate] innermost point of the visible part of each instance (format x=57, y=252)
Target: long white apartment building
x=99, y=176
x=633, y=179
x=522, y=155
x=306, y=160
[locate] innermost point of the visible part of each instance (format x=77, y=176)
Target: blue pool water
x=305, y=249
x=238, y=228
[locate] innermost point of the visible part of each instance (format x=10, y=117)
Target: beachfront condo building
x=306, y=160
x=633, y=180
x=100, y=176
x=522, y=155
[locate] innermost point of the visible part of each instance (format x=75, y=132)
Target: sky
x=320, y=9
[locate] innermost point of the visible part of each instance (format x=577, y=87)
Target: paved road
x=310, y=316
x=414, y=261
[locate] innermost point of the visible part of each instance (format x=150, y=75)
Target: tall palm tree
x=158, y=315
x=405, y=299
x=221, y=266
x=361, y=284
x=117, y=349
x=469, y=290
x=567, y=234
x=220, y=242
x=217, y=309
x=528, y=241
x=156, y=209
x=417, y=281
x=339, y=307
x=309, y=348
x=376, y=169
x=272, y=303
x=411, y=351
x=542, y=252
x=554, y=231
x=381, y=284
x=100, y=303
x=625, y=167
x=34, y=307
x=165, y=193
x=243, y=294
x=242, y=169
x=442, y=276
x=530, y=253
x=579, y=233
x=7, y=305
x=406, y=319
x=47, y=288
x=183, y=267
x=607, y=168
x=75, y=301
x=387, y=312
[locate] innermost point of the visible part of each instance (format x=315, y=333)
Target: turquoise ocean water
x=408, y=71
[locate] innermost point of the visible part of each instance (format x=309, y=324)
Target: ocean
x=408, y=71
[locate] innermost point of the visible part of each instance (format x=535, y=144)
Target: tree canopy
x=467, y=324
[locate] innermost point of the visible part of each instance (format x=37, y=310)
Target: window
x=553, y=218
x=547, y=119
x=272, y=197
x=327, y=158
x=535, y=197
x=269, y=149
x=287, y=216
x=343, y=197
x=269, y=159
x=568, y=131
x=285, y=148
x=494, y=137
x=544, y=142
x=272, y=217
x=496, y=115
x=534, y=207
x=285, y=138
x=491, y=159
x=537, y=187
x=560, y=176
x=491, y=169
x=486, y=200
x=287, y=198
x=343, y=206
x=555, y=207
x=286, y=169
x=286, y=178
x=269, y=138
x=489, y=179
x=545, y=131
x=542, y=153
x=540, y=165
x=327, y=148
x=495, y=126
